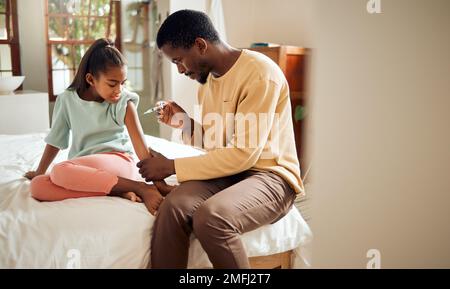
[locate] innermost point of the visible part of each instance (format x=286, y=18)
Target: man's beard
x=204, y=73
x=203, y=77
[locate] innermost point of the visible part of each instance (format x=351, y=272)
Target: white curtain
x=214, y=10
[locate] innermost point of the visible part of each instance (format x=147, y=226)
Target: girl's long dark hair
x=98, y=58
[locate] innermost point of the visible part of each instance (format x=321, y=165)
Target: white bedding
x=101, y=232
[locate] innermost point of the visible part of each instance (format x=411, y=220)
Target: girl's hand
x=131, y=196
x=31, y=174
x=163, y=187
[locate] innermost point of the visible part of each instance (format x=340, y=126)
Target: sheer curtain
x=214, y=10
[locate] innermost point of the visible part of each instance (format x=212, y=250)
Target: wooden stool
x=275, y=261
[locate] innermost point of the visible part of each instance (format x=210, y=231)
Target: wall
x=32, y=44
x=379, y=95
x=239, y=21
x=285, y=22
x=381, y=143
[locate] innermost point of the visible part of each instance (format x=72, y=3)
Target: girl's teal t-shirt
x=96, y=127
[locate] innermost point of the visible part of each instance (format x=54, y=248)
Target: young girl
x=96, y=108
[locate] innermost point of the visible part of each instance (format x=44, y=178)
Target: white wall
x=379, y=99
x=381, y=145
x=287, y=22
x=33, y=52
x=240, y=22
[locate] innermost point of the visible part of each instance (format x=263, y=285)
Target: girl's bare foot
x=130, y=196
x=151, y=197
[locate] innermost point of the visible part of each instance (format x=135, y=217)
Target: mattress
x=103, y=232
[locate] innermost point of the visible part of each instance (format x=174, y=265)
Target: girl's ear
x=89, y=79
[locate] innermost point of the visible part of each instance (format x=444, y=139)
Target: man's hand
x=156, y=168
x=173, y=115
x=163, y=187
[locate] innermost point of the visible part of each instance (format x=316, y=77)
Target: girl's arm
x=138, y=140
x=47, y=158
x=135, y=131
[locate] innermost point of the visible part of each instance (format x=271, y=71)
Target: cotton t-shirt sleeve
x=120, y=108
x=60, y=130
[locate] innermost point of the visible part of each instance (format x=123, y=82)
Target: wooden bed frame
x=275, y=261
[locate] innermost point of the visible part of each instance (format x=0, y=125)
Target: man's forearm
x=193, y=134
x=171, y=167
x=187, y=132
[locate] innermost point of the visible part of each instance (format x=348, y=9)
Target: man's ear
x=89, y=79
x=201, y=45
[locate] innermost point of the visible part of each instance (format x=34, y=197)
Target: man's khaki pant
x=217, y=211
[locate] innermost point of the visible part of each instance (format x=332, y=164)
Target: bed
x=109, y=232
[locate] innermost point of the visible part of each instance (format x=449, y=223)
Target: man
x=250, y=173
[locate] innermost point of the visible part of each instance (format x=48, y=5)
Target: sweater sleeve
x=259, y=102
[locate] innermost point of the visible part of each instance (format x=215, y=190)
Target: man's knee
x=173, y=202
x=180, y=200
x=211, y=219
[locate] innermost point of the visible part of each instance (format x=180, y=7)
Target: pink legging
x=87, y=176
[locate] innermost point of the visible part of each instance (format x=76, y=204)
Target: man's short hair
x=181, y=29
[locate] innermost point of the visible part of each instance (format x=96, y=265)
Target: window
x=72, y=26
x=9, y=39
x=136, y=41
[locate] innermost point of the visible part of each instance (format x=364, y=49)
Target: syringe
x=158, y=107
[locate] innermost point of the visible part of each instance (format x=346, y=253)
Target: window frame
x=12, y=37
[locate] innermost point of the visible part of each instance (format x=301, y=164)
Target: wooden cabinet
x=292, y=61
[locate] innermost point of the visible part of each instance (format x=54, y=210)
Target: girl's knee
x=39, y=187
x=59, y=172
x=62, y=173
